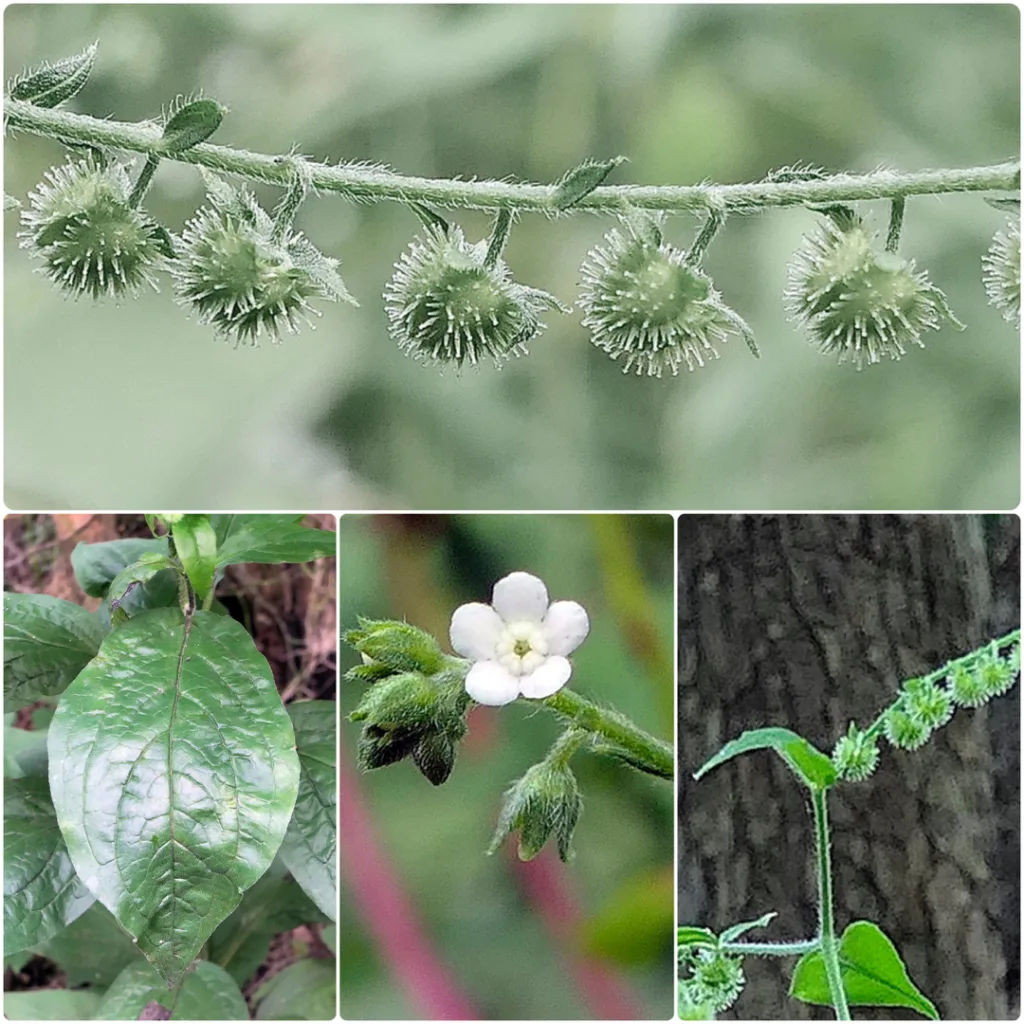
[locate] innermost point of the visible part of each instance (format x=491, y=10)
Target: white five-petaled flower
x=518, y=642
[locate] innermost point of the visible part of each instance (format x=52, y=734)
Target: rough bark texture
x=811, y=622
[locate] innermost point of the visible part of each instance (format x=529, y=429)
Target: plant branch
x=826, y=923
x=372, y=184
x=770, y=948
x=646, y=751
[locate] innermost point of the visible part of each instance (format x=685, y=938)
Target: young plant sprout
x=861, y=967
x=516, y=647
x=646, y=303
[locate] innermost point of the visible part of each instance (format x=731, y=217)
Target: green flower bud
x=91, y=240
x=645, y=304
x=434, y=756
x=1001, y=271
x=903, y=731
x=446, y=304
x=995, y=675
x=393, y=646
x=927, y=703
x=858, y=302
x=965, y=687
x=855, y=755
x=545, y=802
x=715, y=978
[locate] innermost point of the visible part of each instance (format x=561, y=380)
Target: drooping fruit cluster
x=447, y=303
x=91, y=239
x=645, y=304
x=859, y=302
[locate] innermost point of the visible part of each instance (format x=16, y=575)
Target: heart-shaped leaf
x=873, y=974
x=809, y=764
x=42, y=893
x=47, y=642
x=206, y=993
x=173, y=773
x=309, y=849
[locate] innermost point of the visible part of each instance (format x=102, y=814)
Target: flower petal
x=547, y=679
x=475, y=630
x=566, y=626
x=520, y=596
x=490, y=683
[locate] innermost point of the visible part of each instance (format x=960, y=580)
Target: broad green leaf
x=96, y=565
x=302, y=991
x=42, y=893
x=737, y=930
x=47, y=642
x=268, y=540
x=227, y=523
x=173, y=773
x=274, y=904
x=809, y=764
x=92, y=951
x=309, y=849
x=135, y=575
x=51, y=1004
x=205, y=993
x=195, y=541
x=873, y=974
x=24, y=750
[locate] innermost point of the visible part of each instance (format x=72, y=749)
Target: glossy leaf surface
x=205, y=993
x=92, y=951
x=196, y=544
x=24, y=750
x=173, y=774
x=304, y=990
x=873, y=973
x=271, y=539
x=42, y=893
x=47, y=642
x=310, y=845
x=96, y=565
x=809, y=764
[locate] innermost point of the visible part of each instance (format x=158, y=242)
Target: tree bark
x=810, y=622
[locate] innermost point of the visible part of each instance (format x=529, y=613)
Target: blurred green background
x=138, y=406
x=542, y=940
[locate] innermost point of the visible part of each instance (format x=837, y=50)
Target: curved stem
x=372, y=184
x=647, y=752
x=826, y=924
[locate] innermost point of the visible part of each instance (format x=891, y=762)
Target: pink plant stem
x=389, y=913
x=547, y=887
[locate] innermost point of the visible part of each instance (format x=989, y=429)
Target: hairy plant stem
x=770, y=948
x=644, y=748
x=372, y=184
x=826, y=924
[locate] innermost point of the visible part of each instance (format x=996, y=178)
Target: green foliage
x=205, y=993
x=302, y=991
x=813, y=768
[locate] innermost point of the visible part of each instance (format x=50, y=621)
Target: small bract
x=520, y=642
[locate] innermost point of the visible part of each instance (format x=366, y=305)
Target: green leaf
x=42, y=893
x=191, y=123
x=737, y=930
x=51, y=1004
x=24, y=750
x=93, y=950
x=206, y=993
x=96, y=565
x=268, y=540
x=322, y=269
x=809, y=764
x=47, y=642
x=49, y=85
x=302, y=991
x=131, y=577
x=195, y=541
x=873, y=974
x=173, y=773
x=274, y=904
x=309, y=849
x=689, y=935
x=225, y=524
x=329, y=936
x=578, y=183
